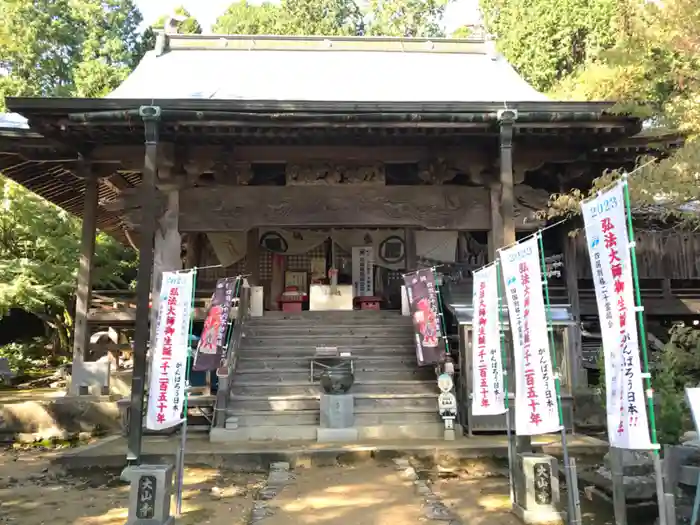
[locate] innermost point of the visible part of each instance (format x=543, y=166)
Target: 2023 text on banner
x=536, y=403
x=609, y=250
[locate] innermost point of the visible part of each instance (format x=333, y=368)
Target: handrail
x=228, y=363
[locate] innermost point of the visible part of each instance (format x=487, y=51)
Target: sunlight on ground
x=34, y=493
x=495, y=502
x=361, y=495
x=113, y=517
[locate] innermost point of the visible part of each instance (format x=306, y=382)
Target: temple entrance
x=338, y=268
x=327, y=270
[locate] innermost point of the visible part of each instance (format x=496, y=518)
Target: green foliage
x=407, y=18
x=333, y=18
x=658, y=189
x=462, y=32
x=242, y=18
x=65, y=48
x=546, y=40
x=645, y=56
x=26, y=356
x=678, y=367
x=320, y=17
x=39, y=258
x=188, y=26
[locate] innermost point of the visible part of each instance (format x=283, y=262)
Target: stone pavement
x=372, y=494
x=257, y=456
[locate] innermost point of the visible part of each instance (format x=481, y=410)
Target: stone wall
x=60, y=418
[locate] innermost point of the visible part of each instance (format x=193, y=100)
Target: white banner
x=536, y=405
x=363, y=271
x=487, y=370
x=292, y=242
x=437, y=245
x=229, y=247
x=389, y=245
x=166, y=393
x=609, y=250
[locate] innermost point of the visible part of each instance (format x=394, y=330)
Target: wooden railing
x=661, y=297
x=228, y=366
x=119, y=306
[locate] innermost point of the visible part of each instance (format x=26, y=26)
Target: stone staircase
x=273, y=398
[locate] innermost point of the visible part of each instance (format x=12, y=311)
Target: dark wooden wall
x=660, y=255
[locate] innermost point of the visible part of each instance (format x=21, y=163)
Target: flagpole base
x=536, y=484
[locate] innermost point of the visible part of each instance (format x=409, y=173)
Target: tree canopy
x=334, y=18
x=643, y=55
x=187, y=26
x=39, y=258
x=67, y=48
x=243, y=18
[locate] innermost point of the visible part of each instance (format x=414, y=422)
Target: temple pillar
x=579, y=375
x=279, y=263
x=167, y=248
x=503, y=215
x=148, y=198
x=410, y=249
x=81, y=340
x=495, y=234
x=253, y=256
x=506, y=201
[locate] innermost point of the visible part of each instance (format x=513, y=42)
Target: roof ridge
x=176, y=42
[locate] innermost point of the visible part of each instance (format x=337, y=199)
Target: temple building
x=323, y=169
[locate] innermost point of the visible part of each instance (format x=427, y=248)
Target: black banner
x=210, y=349
x=423, y=303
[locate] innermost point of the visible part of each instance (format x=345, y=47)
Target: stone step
x=341, y=316
x=248, y=361
x=363, y=402
x=343, y=320
x=326, y=330
x=308, y=433
x=313, y=341
x=360, y=387
x=254, y=377
x=307, y=351
x=312, y=417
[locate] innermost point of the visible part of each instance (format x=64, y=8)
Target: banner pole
x=645, y=357
x=183, y=431
x=506, y=392
x=572, y=499
x=230, y=325
x=443, y=328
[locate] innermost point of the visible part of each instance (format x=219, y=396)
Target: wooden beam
x=117, y=183
x=236, y=208
x=241, y=208
x=131, y=157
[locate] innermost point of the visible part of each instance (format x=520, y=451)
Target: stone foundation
x=59, y=418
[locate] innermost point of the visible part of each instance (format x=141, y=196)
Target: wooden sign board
x=240, y=208
x=217, y=209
